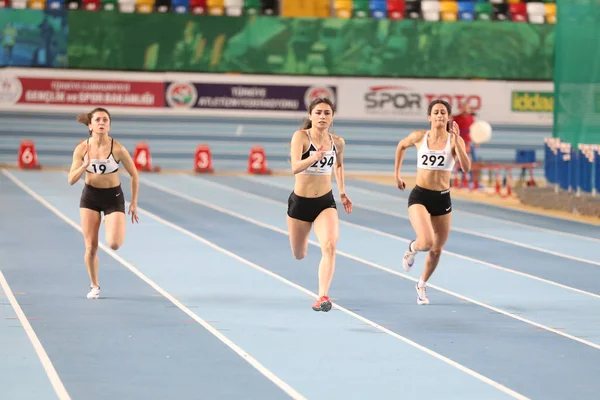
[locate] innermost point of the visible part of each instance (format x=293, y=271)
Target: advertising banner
x=530, y=102
x=507, y=103
x=69, y=92
x=237, y=96
x=406, y=100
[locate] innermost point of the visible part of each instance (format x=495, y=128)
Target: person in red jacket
x=465, y=119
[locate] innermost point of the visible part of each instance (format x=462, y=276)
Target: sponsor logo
x=402, y=100
x=315, y=92
x=181, y=95
x=392, y=100
x=532, y=101
x=10, y=89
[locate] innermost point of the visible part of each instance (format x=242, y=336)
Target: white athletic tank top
x=103, y=166
x=325, y=165
x=435, y=160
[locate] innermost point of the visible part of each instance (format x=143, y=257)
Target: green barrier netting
x=577, y=72
x=310, y=46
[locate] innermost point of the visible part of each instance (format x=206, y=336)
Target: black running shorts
x=436, y=202
x=103, y=200
x=308, y=208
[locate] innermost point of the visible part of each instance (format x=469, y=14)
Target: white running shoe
x=422, y=295
x=94, y=292
x=409, y=258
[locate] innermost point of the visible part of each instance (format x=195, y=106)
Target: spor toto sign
x=455, y=100
x=404, y=100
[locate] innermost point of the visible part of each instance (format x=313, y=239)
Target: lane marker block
x=28, y=158
x=257, y=161
x=142, y=158
x=203, y=162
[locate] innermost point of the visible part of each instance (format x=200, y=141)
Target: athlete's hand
x=319, y=154
x=133, y=213
x=454, y=133
x=346, y=202
x=86, y=157
x=401, y=184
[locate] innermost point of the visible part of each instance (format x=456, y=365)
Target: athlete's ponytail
x=307, y=124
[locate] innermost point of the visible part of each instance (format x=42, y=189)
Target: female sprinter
x=429, y=203
x=314, y=154
x=99, y=157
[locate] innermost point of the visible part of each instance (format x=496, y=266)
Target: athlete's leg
x=115, y=229
x=327, y=232
x=441, y=231
x=90, y=224
x=299, y=232
x=421, y=223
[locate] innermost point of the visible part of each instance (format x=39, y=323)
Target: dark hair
x=320, y=100
x=86, y=119
x=445, y=104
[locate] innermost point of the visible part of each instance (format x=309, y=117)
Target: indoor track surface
x=205, y=301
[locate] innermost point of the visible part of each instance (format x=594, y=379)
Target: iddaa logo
x=532, y=101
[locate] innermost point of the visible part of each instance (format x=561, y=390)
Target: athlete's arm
x=413, y=138
x=123, y=155
x=461, y=152
x=339, y=173
x=79, y=164
x=299, y=165
x=339, y=165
